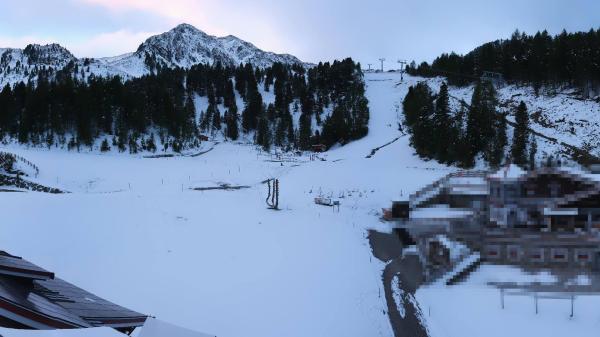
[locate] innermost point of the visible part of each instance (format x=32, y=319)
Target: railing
x=16, y=157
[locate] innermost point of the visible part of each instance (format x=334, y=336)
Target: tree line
x=474, y=131
x=324, y=104
x=571, y=59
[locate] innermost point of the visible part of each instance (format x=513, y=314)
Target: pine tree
x=442, y=125
x=291, y=134
x=263, y=134
x=133, y=145
x=520, y=136
x=105, y=147
x=252, y=110
x=216, y=120
x=189, y=119
x=279, y=139
x=481, y=120
x=498, y=143
x=232, y=125
x=49, y=139
x=204, y=121
x=418, y=114
x=304, y=132
x=532, y=152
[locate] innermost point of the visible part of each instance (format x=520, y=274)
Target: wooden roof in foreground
x=31, y=297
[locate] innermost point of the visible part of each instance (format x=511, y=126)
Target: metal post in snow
x=572, y=305
x=535, y=299
x=502, y=297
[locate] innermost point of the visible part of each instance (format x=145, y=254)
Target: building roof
x=455, y=248
x=510, y=172
x=31, y=297
x=513, y=172
x=15, y=266
x=440, y=212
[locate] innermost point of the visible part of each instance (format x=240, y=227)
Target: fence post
x=535, y=298
x=502, y=297
x=572, y=305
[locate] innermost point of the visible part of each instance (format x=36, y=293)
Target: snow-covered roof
x=440, y=212
x=513, y=172
x=510, y=172
x=456, y=249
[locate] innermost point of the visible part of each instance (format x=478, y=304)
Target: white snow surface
x=510, y=172
x=91, y=332
x=473, y=308
x=157, y=328
x=220, y=262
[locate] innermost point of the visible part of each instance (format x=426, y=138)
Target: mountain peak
x=186, y=45
x=49, y=52
x=186, y=27
x=183, y=46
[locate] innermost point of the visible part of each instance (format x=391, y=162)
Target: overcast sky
x=313, y=30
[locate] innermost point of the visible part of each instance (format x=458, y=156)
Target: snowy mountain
x=27, y=64
x=183, y=46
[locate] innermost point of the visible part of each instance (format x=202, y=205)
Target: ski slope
x=134, y=231
x=220, y=262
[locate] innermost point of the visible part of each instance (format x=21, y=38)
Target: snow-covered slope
x=132, y=232
x=27, y=64
x=559, y=116
x=183, y=46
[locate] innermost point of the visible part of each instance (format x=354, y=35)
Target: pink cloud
x=215, y=17
x=174, y=11
x=109, y=44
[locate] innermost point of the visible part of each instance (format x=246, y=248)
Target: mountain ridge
x=183, y=46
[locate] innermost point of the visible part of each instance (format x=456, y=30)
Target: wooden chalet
x=33, y=298
x=547, y=216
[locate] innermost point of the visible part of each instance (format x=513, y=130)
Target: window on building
x=536, y=255
x=514, y=253
x=493, y=252
x=583, y=255
x=559, y=255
